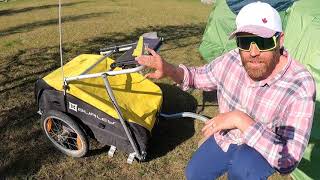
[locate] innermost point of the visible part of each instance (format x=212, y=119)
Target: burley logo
x=73, y=107
x=264, y=20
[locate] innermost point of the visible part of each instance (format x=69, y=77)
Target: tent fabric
x=303, y=42
x=301, y=25
x=279, y=5
x=139, y=98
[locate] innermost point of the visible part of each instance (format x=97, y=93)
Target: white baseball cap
x=258, y=18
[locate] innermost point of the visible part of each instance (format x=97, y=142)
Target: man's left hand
x=225, y=121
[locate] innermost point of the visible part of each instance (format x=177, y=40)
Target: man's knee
x=208, y=162
x=248, y=173
x=191, y=171
x=249, y=164
x=242, y=173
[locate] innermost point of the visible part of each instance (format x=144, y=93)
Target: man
x=266, y=101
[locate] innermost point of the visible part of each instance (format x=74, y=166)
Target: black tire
x=64, y=133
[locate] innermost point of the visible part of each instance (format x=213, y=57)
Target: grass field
x=29, y=50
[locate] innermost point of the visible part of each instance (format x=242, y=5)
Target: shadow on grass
x=10, y=12
x=169, y=133
x=171, y=34
x=30, y=26
x=24, y=149
x=208, y=96
x=25, y=67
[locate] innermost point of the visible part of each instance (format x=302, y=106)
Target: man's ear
x=281, y=40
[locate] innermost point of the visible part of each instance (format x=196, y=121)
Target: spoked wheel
x=65, y=133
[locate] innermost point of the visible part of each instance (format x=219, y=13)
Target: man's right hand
x=153, y=61
x=162, y=68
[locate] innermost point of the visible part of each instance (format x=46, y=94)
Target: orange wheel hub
x=49, y=125
x=79, y=144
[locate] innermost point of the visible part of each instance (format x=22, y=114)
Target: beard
x=259, y=69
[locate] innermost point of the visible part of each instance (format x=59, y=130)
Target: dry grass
x=29, y=50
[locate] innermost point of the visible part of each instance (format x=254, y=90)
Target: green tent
x=301, y=25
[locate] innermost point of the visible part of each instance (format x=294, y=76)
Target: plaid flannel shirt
x=282, y=107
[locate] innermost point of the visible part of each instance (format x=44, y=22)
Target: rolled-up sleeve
x=204, y=77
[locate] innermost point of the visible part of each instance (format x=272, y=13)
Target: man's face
x=259, y=65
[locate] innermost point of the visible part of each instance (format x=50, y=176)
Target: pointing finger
x=152, y=52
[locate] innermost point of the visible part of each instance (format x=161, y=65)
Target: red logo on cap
x=264, y=20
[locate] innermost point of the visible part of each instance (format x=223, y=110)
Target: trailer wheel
x=64, y=133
